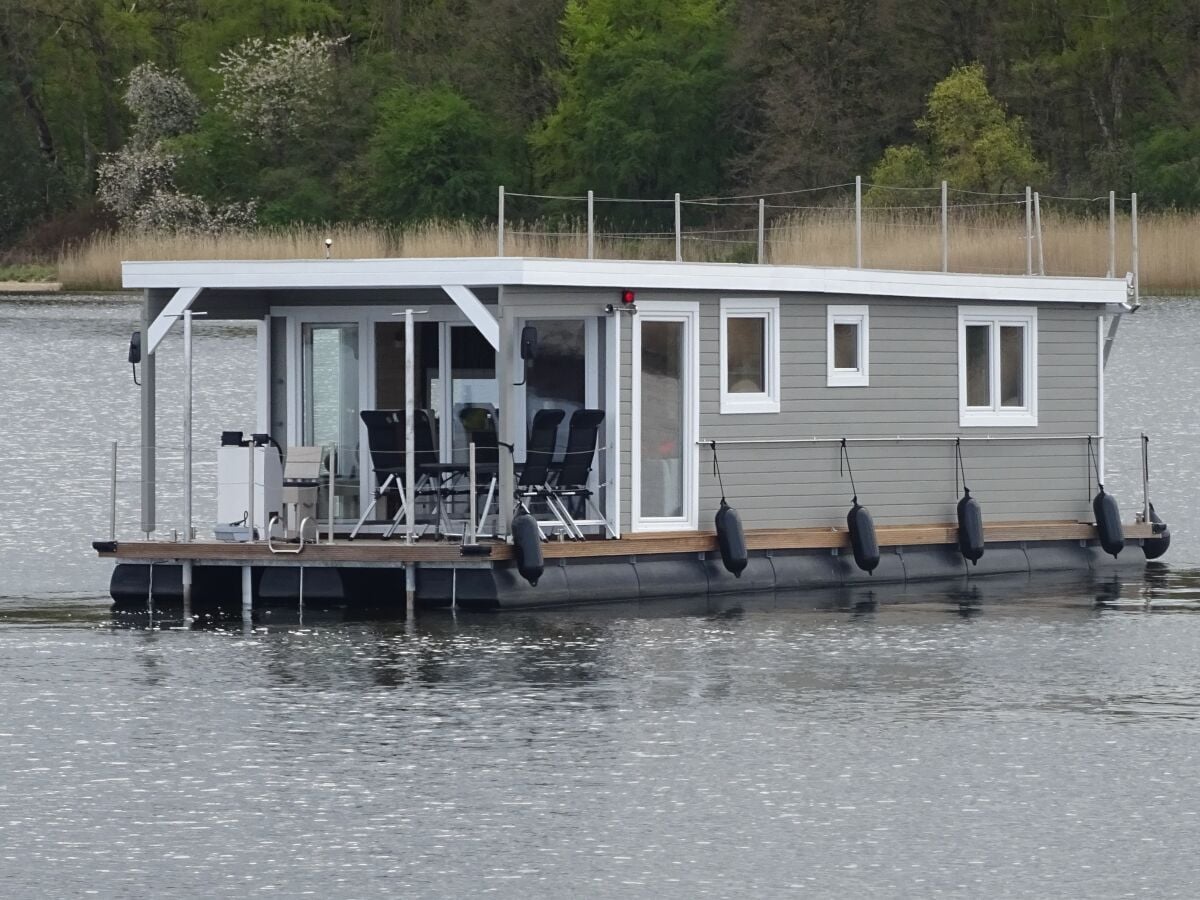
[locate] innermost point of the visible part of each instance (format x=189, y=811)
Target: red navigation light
x=628, y=296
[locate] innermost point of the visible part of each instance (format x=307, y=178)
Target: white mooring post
x=410, y=454
x=591, y=231
x=1112, y=234
x=1037, y=218
x=500, y=223
x=1028, y=230
x=1133, y=225
x=112, y=497
x=858, y=261
x=469, y=537
x=945, y=232
x=762, y=230
x=187, y=431
x=333, y=452
x=250, y=493
x=678, y=231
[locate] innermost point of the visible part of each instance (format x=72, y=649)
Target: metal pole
x=1133, y=223
x=945, y=232
x=112, y=497
x=500, y=225
x=410, y=590
x=1145, y=478
x=410, y=454
x=185, y=578
x=858, y=259
x=1112, y=234
x=250, y=493
x=332, y=488
x=762, y=230
x=1028, y=230
x=1037, y=217
x=678, y=231
x=591, y=232
x=469, y=538
x=148, y=422
x=247, y=597
x=187, y=426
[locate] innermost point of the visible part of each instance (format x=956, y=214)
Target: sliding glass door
x=665, y=374
x=330, y=402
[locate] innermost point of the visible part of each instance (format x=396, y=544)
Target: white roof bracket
x=184, y=298
x=472, y=307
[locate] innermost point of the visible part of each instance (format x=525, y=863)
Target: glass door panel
x=663, y=419
x=472, y=383
x=329, y=353
x=557, y=377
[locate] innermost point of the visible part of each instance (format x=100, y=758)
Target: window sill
x=847, y=379
x=989, y=419
x=731, y=406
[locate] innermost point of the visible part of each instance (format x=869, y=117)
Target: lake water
x=1013, y=739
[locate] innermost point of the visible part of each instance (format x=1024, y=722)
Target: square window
x=997, y=366
x=749, y=356
x=848, y=345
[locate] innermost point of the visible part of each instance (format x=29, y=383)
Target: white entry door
x=666, y=374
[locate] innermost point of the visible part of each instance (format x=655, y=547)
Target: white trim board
x=350, y=274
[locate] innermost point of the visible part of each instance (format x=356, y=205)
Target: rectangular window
x=847, y=346
x=997, y=350
x=749, y=355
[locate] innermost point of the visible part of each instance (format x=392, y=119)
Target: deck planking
x=395, y=552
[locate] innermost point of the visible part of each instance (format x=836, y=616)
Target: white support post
x=469, y=537
x=1133, y=250
x=250, y=492
x=1037, y=218
x=187, y=431
x=591, y=226
x=762, y=230
x=945, y=231
x=410, y=454
x=112, y=497
x=1028, y=230
x=185, y=578
x=1112, y=234
x=247, y=593
x=678, y=231
x=500, y=223
x=858, y=257
x=333, y=452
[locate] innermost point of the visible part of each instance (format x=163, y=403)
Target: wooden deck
x=395, y=552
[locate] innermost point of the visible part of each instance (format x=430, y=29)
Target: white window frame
x=767, y=309
x=848, y=315
x=689, y=314
x=995, y=415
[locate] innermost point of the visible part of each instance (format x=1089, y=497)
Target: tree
x=432, y=155
x=972, y=143
x=641, y=99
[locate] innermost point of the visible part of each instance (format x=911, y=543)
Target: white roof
x=606, y=273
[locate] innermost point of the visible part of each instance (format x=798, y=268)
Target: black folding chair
x=568, y=493
x=532, y=483
x=385, y=441
x=480, y=425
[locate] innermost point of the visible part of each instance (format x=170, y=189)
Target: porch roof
x=350, y=274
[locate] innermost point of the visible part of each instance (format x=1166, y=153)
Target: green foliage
x=640, y=105
x=432, y=155
x=1168, y=167
x=973, y=144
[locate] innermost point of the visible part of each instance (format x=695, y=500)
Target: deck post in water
x=410, y=590
x=945, y=233
x=591, y=233
x=148, y=416
x=1133, y=224
x=247, y=591
x=858, y=221
x=500, y=224
x=186, y=579
x=1112, y=234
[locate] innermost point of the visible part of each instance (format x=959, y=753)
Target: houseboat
x=515, y=432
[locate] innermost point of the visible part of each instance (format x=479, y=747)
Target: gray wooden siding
x=913, y=393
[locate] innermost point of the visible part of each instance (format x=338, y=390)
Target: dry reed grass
x=992, y=241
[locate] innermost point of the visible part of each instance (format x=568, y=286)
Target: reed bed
x=989, y=242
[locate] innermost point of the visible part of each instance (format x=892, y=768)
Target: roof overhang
x=351, y=274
